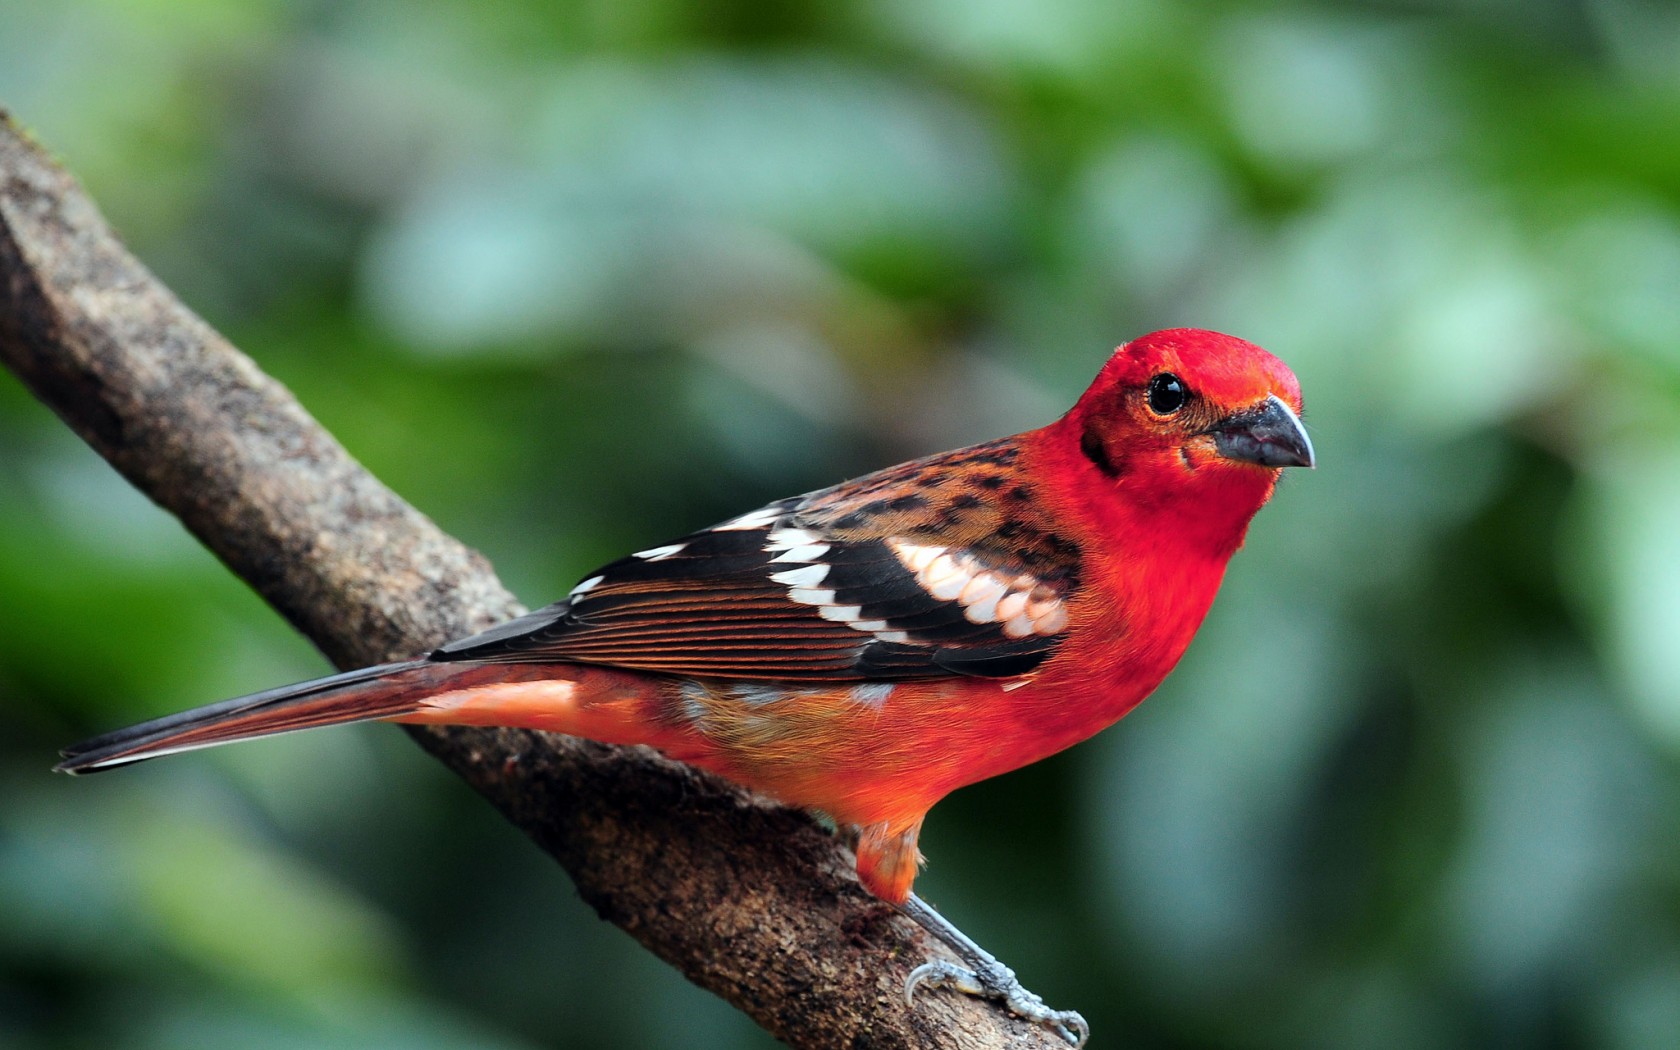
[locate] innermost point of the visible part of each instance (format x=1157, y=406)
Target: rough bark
x=748, y=899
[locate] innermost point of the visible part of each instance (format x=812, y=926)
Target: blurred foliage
x=575, y=277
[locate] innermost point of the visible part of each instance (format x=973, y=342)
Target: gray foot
x=983, y=976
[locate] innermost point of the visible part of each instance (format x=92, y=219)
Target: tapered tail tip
x=79, y=763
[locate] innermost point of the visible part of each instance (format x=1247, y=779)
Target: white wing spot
x=806, y=553
x=914, y=556
x=1052, y=621
x=804, y=576
x=586, y=586
x=945, y=577
x=802, y=581
x=979, y=599
x=787, y=539
x=753, y=520
x=660, y=553
x=1022, y=604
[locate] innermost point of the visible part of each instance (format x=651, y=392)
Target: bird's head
x=1186, y=411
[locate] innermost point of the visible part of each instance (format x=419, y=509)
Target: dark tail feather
x=354, y=696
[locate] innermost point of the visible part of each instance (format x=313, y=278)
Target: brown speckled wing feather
x=936, y=567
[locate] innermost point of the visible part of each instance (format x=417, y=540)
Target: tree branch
x=748, y=899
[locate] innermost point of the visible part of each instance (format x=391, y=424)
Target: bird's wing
x=936, y=567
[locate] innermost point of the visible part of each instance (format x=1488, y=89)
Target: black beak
x=1269, y=434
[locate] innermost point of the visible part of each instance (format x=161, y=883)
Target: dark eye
x=1167, y=394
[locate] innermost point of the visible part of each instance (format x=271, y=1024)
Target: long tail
x=595, y=702
x=355, y=696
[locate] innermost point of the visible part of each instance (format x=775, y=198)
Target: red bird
x=865, y=649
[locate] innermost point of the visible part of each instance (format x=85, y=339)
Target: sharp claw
x=1072, y=1027
x=937, y=973
x=998, y=982
x=983, y=976
x=917, y=976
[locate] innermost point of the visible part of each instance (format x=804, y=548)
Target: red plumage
x=866, y=649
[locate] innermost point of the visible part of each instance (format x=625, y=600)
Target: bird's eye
x=1167, y=394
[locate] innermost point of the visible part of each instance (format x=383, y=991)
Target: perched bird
x=865, y=649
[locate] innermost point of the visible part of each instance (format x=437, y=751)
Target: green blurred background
x=576, y=277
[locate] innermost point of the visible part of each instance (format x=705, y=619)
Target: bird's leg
x=887, y=860
x=981, y=974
